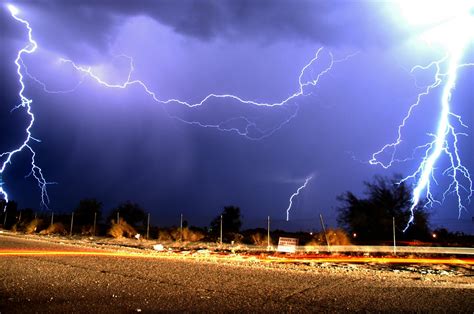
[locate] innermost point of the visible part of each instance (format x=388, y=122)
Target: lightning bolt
x=304, y=83
x=249, y=124
x=25, y=104
x=295, y=195
x=445, y=142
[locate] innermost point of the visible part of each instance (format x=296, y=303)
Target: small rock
x=158, y=247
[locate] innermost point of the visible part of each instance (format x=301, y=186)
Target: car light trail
x=243, y=258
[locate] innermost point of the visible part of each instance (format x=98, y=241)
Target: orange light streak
x=265, y=259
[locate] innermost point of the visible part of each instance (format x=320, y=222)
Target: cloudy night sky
x=120, y=144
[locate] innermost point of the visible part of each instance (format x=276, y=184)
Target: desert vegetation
x=362, y=220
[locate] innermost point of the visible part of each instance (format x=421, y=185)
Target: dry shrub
x=164, y=235
x=32, y=226
x=175, y=235
x=335, y=237
x=188, y=235
x=120, y=229
x=192, y=235
x=236, y=237
x=56, y=228
x=87, y=230
x=260, y=239
x=14, y=228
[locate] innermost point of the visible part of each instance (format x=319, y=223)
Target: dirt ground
x=199, y=280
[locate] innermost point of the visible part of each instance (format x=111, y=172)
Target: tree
x=231, y=220
x=371, y=217
x=132, y=213
x=85, y=211
x=10, y=212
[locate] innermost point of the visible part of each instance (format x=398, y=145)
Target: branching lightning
x=295, y=195
x=222, y=126
x=25, y=103
x=445, y=142
x=87, y=71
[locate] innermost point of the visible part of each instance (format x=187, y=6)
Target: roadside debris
x=158, y=247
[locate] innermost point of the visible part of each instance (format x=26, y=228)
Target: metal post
x=148, y=227
x=394, y=241
x=52, y=218
x=19, y=217
x=118, y=216
x=221, y=231
x=181, y=228
x=95, y=222
x=268, y=233
x=324, y=230
x=72, y=223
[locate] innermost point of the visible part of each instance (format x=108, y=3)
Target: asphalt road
x=131, y=284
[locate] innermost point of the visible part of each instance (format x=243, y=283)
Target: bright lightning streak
x=25, y=103
x=295, y=195
x=446, y=139
x=249, y=124
x=87, y=71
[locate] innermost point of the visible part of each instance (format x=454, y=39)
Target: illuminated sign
x=287, y=245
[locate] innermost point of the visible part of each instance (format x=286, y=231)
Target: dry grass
x=87, y=230
x=166, y=235
x=121, y=229
x=56, y=228
x=335, y=237
x=191, y=235
x=32, y=226
x=236, y=237
x=260, y=239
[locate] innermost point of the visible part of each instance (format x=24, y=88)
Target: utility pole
x=72, y=223
x=324, y=230
x=118, y=216
x=181, y=228
x=5, y=219
x=394, y=241
x=95, y=222
x=52, y=218
x=268, y=233
x=221, y=231
x=148, y=227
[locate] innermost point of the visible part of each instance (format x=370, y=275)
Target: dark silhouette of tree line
x=367, y=219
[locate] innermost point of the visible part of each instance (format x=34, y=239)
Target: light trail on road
x=265, y=259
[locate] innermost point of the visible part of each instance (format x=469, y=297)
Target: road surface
x=134, y=284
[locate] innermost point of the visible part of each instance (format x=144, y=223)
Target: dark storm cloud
x=344, y=23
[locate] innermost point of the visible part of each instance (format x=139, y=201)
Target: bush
x=192, y=235
x=164, y=235
x=235, y=237
x=260, y=239
x=32, y=226
x=174, y=234
x=56, y=228
x=335, y=237
x=87, y=230
x=120, y=229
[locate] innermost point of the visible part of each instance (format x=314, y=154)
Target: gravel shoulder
x=151, y=283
